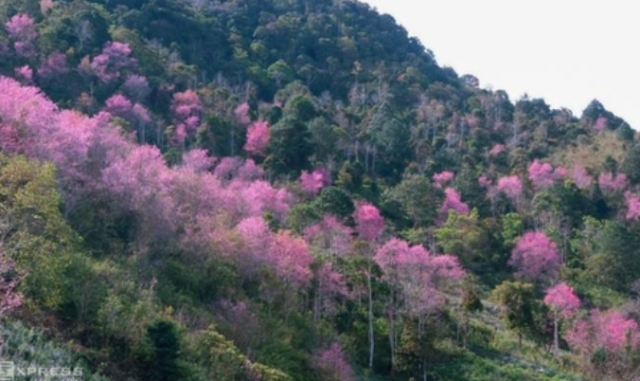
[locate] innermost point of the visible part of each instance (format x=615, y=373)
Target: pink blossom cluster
x=257, y=138
x=535, y=256
x=562, y=299
x=313, y=182
x=369, y=222
x=443, y=178
x=511, y=186
x=610, y=183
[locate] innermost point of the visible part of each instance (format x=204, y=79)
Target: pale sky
x=565, y=51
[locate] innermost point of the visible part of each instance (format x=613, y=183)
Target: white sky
x=565, y=51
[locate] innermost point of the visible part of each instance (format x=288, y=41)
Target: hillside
x=295, y=190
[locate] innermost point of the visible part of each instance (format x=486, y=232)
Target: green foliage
x=28, y=346
x=464, y=237
x=336, y=201
x=166, y=347
x=518, y=305
x=224, y=362
x=414, y=200
x=616, y=261
x=512, y=229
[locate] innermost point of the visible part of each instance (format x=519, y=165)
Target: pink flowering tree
x=53, y=67
x=136, y=87
x=606, y=336
x=541, y=175
x=186, y=110
x=452, y=201
x=329, y=286
x=564, y=303
x=391, y=257
x=633, y=206
x=369, y=226
x=114, y=58
x=511, y=186
x=332, y=365
x=443, y=178
x=139, y=183
x=329, y=236
x=136, y=114
x=535, y=256
x=292, y=261
x=560, y=173
x=581, y=177
x=610, y=183
x=369, y=222
x=496, y=150
x=198, y=161
x=600, y=124
x=312, y=183
x=329, y=240
x=257, y=138
x=24, y=74
x=22, y=31
x=417, y=279
x=484, y=181
x=241, y=114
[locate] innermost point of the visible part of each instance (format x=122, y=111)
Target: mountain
x=296, y=190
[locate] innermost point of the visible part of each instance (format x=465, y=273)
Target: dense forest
x=295, y=190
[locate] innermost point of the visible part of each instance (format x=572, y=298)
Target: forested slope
x=296, y=190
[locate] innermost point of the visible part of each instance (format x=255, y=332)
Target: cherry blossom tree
x=484, y=181
x=313, y=182
x=610, y=183
x=535, y=256
x=369, y=222
x=511, y=186
x=114, y=58
x=560, y=173
x=329, y=236
x=21, y=29
x=564, y=303
x=241, y=114
x=581, y=177
x=54, y=66
x=198, y=161
x=417, y=279
x=633, y=205
x=369, y=226
x=497, y=150
x=24, y=74
x=606, y=336
x=453, y=202
x=186, y=109
x=136, y=87
x=292, y=260
x=443, y=178
x=140, y=183
x=257, y=138
x=332, y=365
x=600, y=124
x=541, y=174
x=329, y=286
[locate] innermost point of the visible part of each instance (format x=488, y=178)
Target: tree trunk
x=556, y=339
x=392, y=334
x=371, y=336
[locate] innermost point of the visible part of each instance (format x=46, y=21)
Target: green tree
x=165, y=343
x=516, y=300
x=464, y=237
